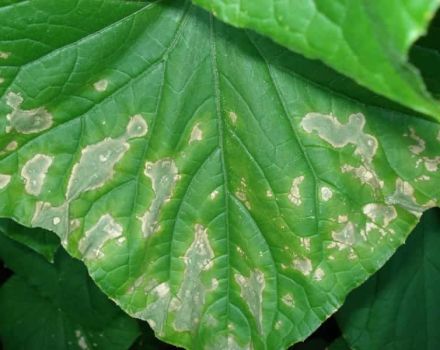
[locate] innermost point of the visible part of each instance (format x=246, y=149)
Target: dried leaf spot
x=86, y=175
x=4, y=55
x=196, y=134
x=241, y=193
x=156, y=312
x=101, y=85
x=303, y=265
x=137, y=127
x=288, y=300
x=380, y=214
x=214, y=194
x=4, y=180
x=346, y=235
x=26, y=121
x=366, y=175
x=163, y=175
x=294, y=193
x=326, y=193
x=420, y=145
x=96, y=237
x=432, y=164
x=191, y=296
x=11, y=146
x=233, y=118
x=252, y=288
x=340, y=135
x=34, y=173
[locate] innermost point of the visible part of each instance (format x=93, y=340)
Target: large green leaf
x=57, y=306
x=398, y=308
x=366, y=40
x=209, y=184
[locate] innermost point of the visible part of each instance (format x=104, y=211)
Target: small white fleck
x=56, y=220
x=214, y=194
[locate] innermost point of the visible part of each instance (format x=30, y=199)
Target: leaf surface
x=398, y=308
x=368, y=41
x=214, y=184
x=57, y=306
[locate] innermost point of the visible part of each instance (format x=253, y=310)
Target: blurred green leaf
x=57, y=306
x=42, y=241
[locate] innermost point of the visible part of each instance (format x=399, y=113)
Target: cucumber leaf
x=213, y=183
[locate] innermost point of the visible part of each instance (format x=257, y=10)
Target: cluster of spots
x=344, y=238
x=420, y=145
x=252, y=288
x=101, y=85
x=365, y=174
x=26, y=121
x=430, y=164
x=87, y=176
x=34, y=173
x=403, y=197
x=303, y=265
x=4, y=180
x=241, y=193
x=294, y=193
x=94, y=239
x=340, y=135
x=163, y=175
x=191, y=295
x=196, y=134
x=380, y=214
x=82, y=343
